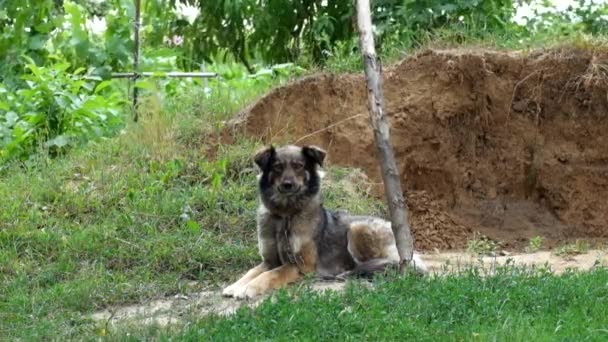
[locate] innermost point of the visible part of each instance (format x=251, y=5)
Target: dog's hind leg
x=372, y=244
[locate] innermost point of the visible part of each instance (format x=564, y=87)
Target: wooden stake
x=136, y=25
x=390, y=173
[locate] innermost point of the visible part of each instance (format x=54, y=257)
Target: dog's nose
x=287, y=186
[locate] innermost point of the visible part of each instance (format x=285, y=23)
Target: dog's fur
x=297, y=236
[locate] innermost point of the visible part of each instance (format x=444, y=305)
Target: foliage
x=587, y=17
x=271, y=32
x=568, y=250
x=42, y=29
x=82, y=48
x=26, y=26
x=280, y=30
x=46, y=101
x=411, y=21
x=57, y=109
x=481, y=245
x=535, y=244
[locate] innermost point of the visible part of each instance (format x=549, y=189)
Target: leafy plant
x=279, y=31
x=535, y=244
x=55, y=110
x=481, y=245
x=26, y=27
x=76, y=43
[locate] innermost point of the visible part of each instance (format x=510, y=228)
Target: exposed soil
x=511, y=145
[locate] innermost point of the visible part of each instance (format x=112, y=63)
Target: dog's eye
x=297, y=166
x=277, y=167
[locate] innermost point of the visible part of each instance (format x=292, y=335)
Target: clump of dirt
x=512, y=145
x=432, y=227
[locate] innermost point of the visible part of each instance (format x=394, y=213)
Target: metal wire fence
x=136, y=74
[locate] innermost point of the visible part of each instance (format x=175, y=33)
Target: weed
x=576, y=248
x=535, y=244
x=481, y=245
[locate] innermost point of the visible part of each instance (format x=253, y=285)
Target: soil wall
x=510, y=145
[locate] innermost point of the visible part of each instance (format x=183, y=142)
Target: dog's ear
x=263, y=157
x=315, y=153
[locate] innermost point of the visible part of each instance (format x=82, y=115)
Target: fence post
x=390, y=173
x=136, y=26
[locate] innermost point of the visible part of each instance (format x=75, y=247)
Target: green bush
x=56, y=109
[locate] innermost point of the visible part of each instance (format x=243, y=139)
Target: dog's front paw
x=248, y=292
x=230, y=290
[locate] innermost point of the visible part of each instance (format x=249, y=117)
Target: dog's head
x=290, y=177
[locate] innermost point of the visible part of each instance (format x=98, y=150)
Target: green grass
x=119, y=236
x=140, y=216
x=511, y=305
x=463, y=37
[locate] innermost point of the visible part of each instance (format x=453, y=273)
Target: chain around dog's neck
x=286, y=232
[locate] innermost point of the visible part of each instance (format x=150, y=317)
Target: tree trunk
x=390, y=174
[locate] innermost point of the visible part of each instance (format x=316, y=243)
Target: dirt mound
x=512, y=145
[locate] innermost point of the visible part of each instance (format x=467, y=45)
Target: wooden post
x=390, y=173
x=136, y=25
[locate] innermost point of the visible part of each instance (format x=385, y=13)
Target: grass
x=147, y=215
x=464, y=37
x=140, y=216
x=130, y=218
x=115, y=234
x=512, y=305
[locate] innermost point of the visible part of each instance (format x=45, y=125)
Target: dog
x=298, y=236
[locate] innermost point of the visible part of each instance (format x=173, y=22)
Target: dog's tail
x=372, y=267
x=365, y=269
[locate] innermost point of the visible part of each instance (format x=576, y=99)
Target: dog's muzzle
x=288, y=188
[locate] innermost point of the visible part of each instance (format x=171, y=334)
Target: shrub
x=55, y=109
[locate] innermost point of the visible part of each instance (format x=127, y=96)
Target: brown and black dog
x=297, y=235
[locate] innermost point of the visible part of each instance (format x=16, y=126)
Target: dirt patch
x=450, y=262
x=511, y=145
x=184, y=308
x=171, y=310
